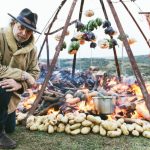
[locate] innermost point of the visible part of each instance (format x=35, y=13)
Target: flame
x=136, y=89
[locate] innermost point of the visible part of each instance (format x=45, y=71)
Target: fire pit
x=80, y=110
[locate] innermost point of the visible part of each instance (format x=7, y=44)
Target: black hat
x=27, y=18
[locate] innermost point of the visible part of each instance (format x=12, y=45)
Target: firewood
x=51, y=99
x=44, y=111
x=54, y=92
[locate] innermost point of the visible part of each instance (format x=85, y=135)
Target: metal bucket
x=104, y=105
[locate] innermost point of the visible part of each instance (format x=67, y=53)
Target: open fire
x=63, y=111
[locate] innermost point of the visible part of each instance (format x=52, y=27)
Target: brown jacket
x=14, y=61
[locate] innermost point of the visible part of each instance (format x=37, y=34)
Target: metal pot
x=104, y=105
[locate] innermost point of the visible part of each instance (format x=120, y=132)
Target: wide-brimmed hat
x=27, y=18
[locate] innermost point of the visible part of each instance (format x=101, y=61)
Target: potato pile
x=76, y=123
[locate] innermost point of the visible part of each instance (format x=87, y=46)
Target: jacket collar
x=12, y=43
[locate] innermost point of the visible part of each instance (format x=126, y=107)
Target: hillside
x=108, y=65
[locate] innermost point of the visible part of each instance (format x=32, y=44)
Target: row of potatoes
x=76, y=123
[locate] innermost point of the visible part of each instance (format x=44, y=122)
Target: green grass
x=35, y=140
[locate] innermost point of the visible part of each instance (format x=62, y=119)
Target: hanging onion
x=103, y=43
x=89, y=13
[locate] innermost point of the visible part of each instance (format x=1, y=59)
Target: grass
x=35, y=140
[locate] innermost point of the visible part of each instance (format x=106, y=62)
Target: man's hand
x=28, y=78
x=10, y=85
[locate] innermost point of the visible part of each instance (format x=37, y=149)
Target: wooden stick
x=61, y=28
x=144, y=12
x=54, y=60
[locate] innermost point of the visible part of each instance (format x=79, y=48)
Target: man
x=18, y=69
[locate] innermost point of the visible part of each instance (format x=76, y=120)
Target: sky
x=47, y=8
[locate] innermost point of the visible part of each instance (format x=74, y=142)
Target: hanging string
x=91, y=57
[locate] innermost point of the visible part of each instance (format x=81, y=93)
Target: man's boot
x=6, y=142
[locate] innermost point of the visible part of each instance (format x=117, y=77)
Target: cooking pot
x=104, y=105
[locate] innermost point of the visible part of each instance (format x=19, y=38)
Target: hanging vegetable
x=93, y=45
x=79, y=35
x=80, y=26
x=131, y=41
x=112, y=42
x=74, y=39
x=64, y=45
x=82, y=42
x=91, y=25
x=73, y=47
x=121, y=37
x=88, y=36
x=57, y=37
x=109, y=30
x=99, y=21
x=106, y=24
x=104, y=43
x=89, y=13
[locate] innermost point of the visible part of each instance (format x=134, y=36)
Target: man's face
x=21, y=33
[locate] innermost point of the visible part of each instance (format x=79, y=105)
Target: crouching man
x=18, y=69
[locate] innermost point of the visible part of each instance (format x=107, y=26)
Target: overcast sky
x=46, y=8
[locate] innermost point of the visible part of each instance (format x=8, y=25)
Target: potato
x=135, y=133
x=68, y=96
x=34, y=127
x=59, y=117
x=61, y=127
x=124, y=129
x=114, y=133
x=21, y=116
x=102, y=131
x=138, y=127
x=85, y=130
x=70, y=116
x=83, y=115
x=146, y=134
x=109, y=125
x=75, y=132
x=98, y=120
x=67, y=129
x=146, y=127
x=71, y=122
x=75, y=126
x=86, y=123
x=96, y=129
x=42, y=127
x=79, y=119
x=91, y=118
x=130, y=127
x=64, y=119
x=30, y=119
x=121, y=120
x=50, y=129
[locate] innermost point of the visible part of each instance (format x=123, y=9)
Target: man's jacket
x=14, y=61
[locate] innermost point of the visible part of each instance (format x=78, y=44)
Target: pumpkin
x=89, y=13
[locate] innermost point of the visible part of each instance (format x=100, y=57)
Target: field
x=28, y=140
